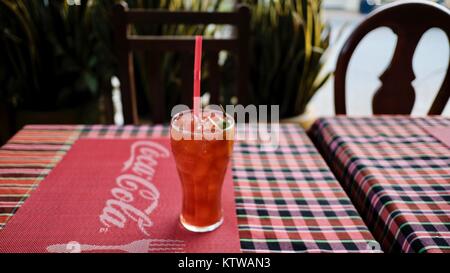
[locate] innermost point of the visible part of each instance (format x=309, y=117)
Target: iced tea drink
x=202, y=148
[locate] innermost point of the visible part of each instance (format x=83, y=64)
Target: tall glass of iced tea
x=202, y=147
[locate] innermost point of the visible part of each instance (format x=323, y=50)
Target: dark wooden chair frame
x=409, y=21
x=155, y=45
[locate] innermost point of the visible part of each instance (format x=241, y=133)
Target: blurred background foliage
x=55, y=55
x=59, y=53
x=288, y=43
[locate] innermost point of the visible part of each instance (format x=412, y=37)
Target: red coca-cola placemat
x=114, y=196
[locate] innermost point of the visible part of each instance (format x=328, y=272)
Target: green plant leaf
x=91, y=82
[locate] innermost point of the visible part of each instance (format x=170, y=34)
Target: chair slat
x=179, y=43
x=137, y=16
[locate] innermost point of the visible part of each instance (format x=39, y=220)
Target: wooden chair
x=409, y=21
x=126, y=44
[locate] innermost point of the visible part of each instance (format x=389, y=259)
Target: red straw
x=197, y=73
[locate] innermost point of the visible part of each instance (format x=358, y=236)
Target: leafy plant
x=55, y=54
x=288, y=41
x=60, y=53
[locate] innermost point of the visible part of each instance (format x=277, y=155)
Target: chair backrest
x=126, y=44
x=409, y=21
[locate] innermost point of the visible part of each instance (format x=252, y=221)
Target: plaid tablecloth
x=397, y=175
x=287, y=200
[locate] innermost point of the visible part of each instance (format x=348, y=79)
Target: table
x=397, y=175
x=286, y=200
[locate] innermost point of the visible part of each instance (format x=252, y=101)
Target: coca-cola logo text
x=135, y=182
